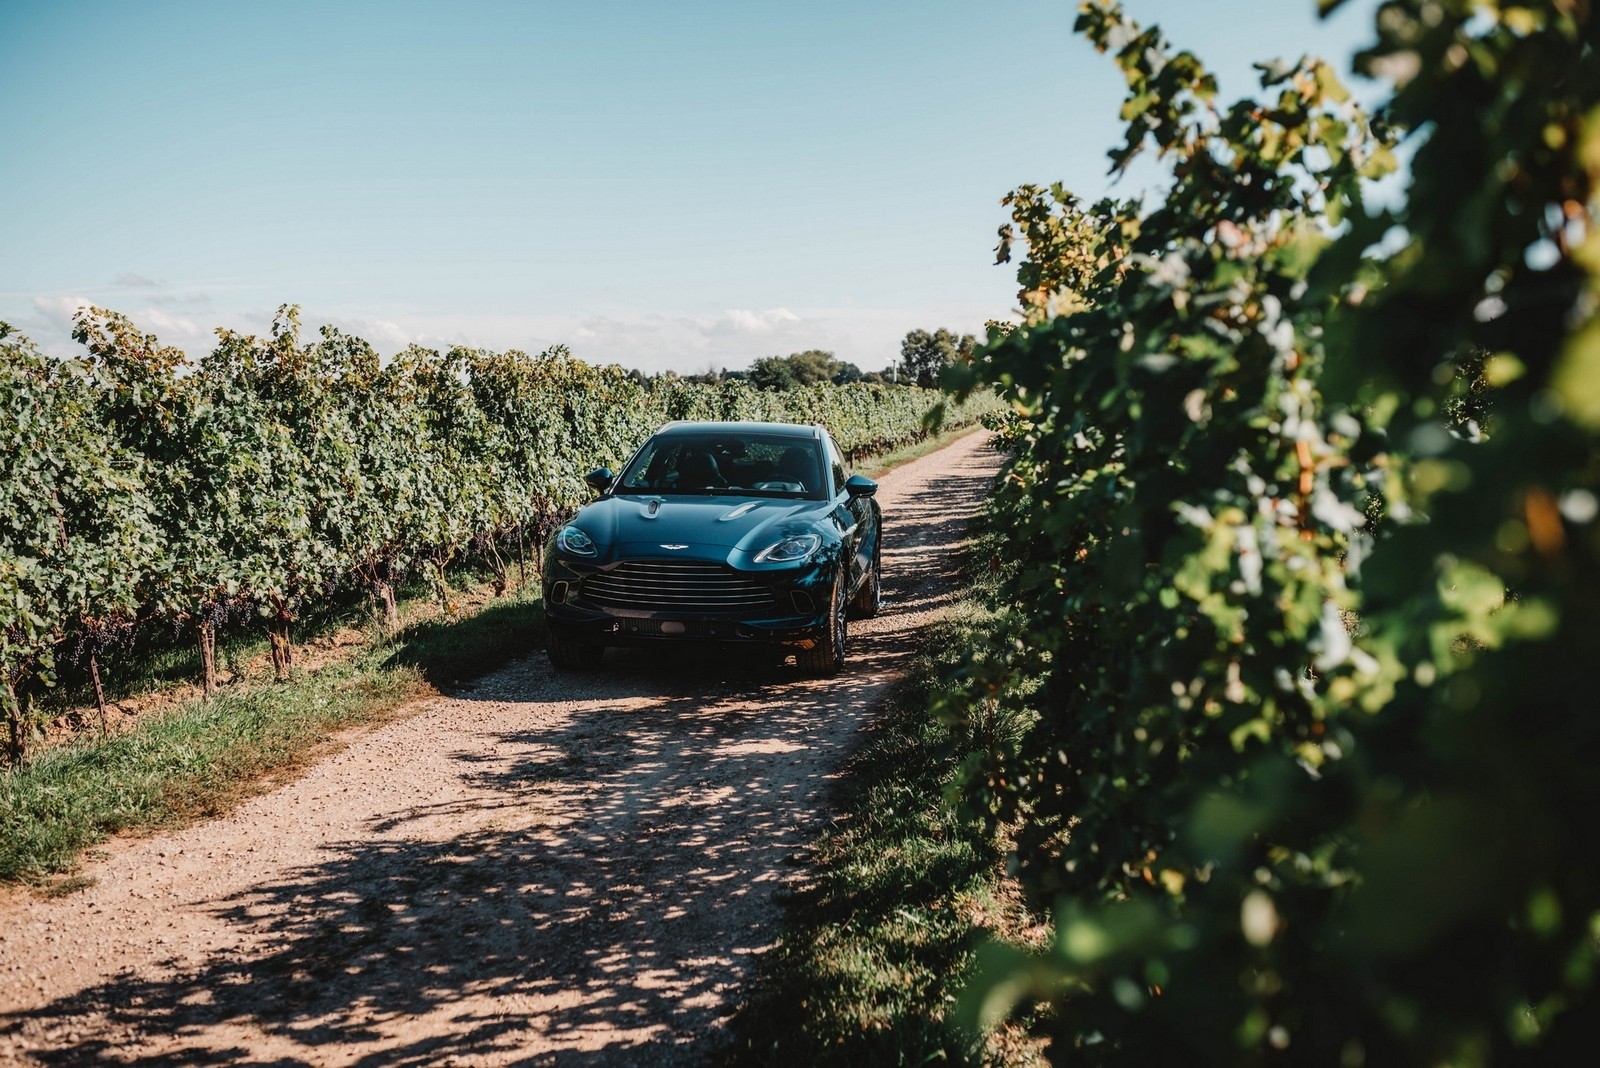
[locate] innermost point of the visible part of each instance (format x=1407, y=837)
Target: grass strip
x=204, y=756
x=876, y=949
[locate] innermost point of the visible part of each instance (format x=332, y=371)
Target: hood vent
x=742, y=510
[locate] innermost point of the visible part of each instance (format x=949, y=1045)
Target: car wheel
x=827, y=656
x=568, y=655
x=869, y=598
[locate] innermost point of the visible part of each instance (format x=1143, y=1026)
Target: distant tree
x=710, y=376
x=810, y=368
x=772, y=372
x=813, y=367
x=846, y=372
x=924, y=356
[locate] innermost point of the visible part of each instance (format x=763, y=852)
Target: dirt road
x=545, y=869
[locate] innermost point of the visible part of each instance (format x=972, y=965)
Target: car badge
x=674, y=546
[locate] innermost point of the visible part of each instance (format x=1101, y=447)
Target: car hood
x=643, y=525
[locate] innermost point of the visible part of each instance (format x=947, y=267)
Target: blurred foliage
x=140, y=492
x=1304, y=787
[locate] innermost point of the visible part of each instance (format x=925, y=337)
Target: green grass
x=162, y=658
x=452, y=652
x=203, y=756
x=876, y=949
x=187, y=763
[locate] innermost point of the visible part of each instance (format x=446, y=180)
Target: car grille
x=676, y=586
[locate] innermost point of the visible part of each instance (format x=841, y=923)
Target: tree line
x=924, y=356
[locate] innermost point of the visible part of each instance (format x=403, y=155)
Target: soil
x=124, y=713
x=538, y=870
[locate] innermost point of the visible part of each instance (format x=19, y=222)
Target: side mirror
x=600, y=479
x=857, y=486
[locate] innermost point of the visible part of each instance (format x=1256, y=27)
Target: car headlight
x=575, y=541
x=790, y=550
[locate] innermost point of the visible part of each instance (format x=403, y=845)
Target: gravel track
x=541, y=869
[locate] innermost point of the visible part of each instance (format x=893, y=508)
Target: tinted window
x=751, y=464
x=837, y=466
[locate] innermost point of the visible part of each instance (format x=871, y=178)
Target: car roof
x=790, y=430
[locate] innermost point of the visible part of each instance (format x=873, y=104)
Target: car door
x=854, y=516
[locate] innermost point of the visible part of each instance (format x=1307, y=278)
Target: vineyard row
x=139, y=489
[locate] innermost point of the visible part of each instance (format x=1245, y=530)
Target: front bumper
x=616, y=627
x=798, y=617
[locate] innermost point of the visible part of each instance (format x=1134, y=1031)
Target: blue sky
x=661, y=185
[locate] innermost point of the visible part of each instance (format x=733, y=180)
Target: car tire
x=826, y=658
x=568, y=655
x=869, y=598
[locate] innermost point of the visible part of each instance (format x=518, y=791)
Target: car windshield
x=751, y=465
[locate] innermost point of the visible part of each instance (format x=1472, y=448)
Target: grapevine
x=1293, y=660
x=143, y=492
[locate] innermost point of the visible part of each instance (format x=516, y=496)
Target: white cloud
x=690, y=342
x=653, y=341
x=195, y=299
x=137, y=281
x=58, y=311
x=740, y=321
x=385, y=335
x=52, y=324
x=165, y=326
